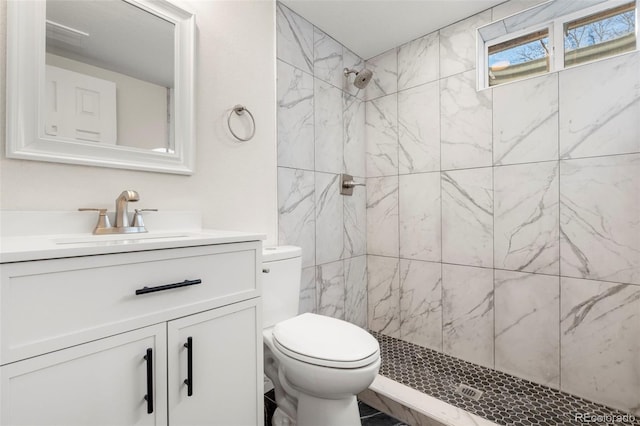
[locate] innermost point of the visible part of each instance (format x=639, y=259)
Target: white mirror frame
x=26, y=139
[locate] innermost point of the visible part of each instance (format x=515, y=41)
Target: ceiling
x=370, y=27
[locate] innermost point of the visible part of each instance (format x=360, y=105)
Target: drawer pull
x=149, y=396
x=185, y=283
x=189, y=380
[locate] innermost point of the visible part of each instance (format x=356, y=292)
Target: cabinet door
x=226, y=365
x=103, y=382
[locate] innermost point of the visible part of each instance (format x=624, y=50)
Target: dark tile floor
x=368, y=416
x=505, y=399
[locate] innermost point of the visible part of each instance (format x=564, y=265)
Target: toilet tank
x=281, y=284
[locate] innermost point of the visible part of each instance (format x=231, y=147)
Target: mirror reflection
x=109, y=75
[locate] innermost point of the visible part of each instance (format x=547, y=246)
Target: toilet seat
x=325, y=341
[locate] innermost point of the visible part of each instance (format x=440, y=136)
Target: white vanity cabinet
x=101, y=382
x=224, y=369
x=80, y=347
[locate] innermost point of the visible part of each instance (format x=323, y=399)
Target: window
x=600, y=35
x=509, y=51
x=520, y=57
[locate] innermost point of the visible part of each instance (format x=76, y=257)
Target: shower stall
x=500, y=227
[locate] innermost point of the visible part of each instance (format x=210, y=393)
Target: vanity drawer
x=52, y=304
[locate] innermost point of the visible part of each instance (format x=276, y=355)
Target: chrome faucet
x=122, y=212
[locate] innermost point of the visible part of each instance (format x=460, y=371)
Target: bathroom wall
x=234, y=185
x=503, y=226
x=320, y=135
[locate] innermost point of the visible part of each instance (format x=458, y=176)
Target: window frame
x=555, y=28
x=512, y=36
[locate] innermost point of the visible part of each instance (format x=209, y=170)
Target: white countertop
x=23, y=248
x=18, y=246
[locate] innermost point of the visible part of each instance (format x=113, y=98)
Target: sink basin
x=118, y=238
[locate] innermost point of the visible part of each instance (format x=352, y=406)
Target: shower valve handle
x=351, y=184
x=347, y=184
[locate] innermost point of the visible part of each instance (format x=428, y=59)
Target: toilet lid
x=325, y=341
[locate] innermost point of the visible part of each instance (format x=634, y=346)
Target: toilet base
x=280, y=418
x=313, y=411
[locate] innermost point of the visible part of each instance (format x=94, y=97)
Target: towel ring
x=239, y=110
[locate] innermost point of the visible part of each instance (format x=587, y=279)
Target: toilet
x=317, y=364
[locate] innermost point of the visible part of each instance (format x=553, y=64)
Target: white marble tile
x=419, y=129
x=307, y=290
x=382, y=216
x=355, y=222
x=419, y=61
x=599, y=108
x=600, y=218
x=421, y=303
x=296, y=212
x=385, y=75
x=329, y=149
x=465, y=126
x=352, y=61
x=329, y=218
x=294, y=38
x=420, y=216
x=415, y=407
x=394, y=408
x=467, y=313
x=383, y=295
x=355, y=279
x=467, y=217
x=330, y=289
x=458, y=44
x=295, y=118
x=545, y=13
x=509, y=8
x=381, y=136
x=492, y=31
x=525, y=121
x=527, y=339
x=355, y=148
x=600, y=347
x=526, y=198
x=327, y=58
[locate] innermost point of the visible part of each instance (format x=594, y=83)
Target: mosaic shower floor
x=505, y=399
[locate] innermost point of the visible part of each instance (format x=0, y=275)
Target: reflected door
x=80, y=107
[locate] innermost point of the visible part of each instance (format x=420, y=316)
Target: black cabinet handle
x=149, y=396
x=189, y=380
x=185, y=283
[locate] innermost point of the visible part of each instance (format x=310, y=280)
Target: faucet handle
x=137, y=217
x=103, y=219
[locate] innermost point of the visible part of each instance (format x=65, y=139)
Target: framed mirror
x=102, y=83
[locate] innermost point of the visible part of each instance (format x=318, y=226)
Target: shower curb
x=414, y=407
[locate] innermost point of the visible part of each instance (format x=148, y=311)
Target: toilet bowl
x=317, y=364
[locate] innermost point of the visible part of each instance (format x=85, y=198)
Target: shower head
x=362, y=77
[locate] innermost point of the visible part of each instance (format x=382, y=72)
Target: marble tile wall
x=321, y=133
x=503, y=226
